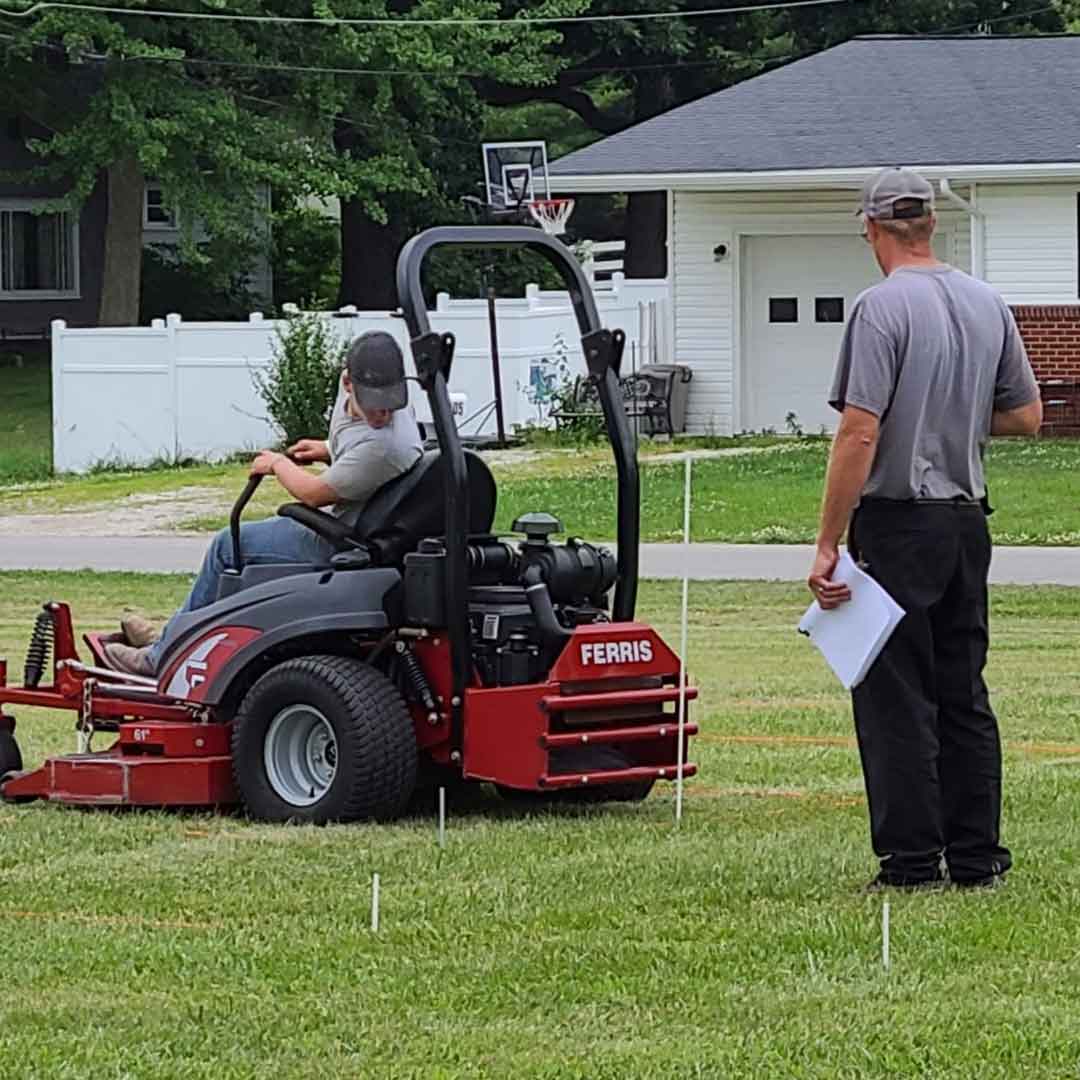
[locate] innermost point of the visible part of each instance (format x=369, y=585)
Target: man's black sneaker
x=884, y=882
x=990, y=881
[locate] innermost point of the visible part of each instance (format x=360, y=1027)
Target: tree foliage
x=386, y=118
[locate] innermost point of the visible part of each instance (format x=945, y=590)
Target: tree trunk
x=646, y=211
x=369, y=254
x=122, y=267
x=646, y=235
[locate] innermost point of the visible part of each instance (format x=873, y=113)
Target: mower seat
x=404, y=511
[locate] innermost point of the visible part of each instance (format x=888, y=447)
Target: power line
x=256, y=65
x=299, y=69
x=515, y=23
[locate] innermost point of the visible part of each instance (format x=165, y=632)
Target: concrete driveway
x=706, y=562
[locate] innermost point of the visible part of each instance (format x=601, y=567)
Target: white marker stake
x=442, y=817
x=682, y=648
x=885, y=935
x=375, y=903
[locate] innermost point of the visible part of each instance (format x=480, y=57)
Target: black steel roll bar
x=433, y=355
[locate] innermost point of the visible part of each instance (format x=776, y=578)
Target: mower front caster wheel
x=11, y=761
x=10, y=755
x=324, y=738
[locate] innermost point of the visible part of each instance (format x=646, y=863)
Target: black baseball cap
x=377, y=370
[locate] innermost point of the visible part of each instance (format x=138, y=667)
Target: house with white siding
x=764, y=250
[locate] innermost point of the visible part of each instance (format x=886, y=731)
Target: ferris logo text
x=617, y=652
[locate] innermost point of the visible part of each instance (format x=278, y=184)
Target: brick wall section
x=1051, y=333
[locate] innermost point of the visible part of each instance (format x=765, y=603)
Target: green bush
x=301, y=383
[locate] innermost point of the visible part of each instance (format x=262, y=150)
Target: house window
x=783, y=309
x=829, y=309
x=156, y=215
x=39, y=254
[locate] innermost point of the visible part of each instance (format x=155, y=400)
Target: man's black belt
x=958, y=503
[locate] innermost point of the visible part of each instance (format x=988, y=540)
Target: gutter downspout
x=976, y=217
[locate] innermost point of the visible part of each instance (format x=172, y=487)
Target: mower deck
x=532, y=737
x=151, y=764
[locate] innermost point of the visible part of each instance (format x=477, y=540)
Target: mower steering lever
x=234, y=520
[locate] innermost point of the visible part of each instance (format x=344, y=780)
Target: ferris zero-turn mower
x=318, y=693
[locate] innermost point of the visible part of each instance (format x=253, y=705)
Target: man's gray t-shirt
x=363, y=458
x=933, y=353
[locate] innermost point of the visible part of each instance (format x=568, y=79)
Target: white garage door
x=797, y=292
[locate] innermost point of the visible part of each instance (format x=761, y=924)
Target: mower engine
x=524, y=600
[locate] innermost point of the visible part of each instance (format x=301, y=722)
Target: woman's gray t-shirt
x=363, y=458
x=933, y=353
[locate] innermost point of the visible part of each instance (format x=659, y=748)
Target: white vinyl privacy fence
x=176, y=389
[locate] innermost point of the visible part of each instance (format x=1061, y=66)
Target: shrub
x=301, y=383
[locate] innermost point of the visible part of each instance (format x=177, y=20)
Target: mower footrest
x=616, y=776
x=641, y=733
x=611, y=699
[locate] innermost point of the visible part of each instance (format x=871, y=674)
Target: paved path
x=752, y=562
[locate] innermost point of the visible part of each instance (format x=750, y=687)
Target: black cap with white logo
x=377, y=370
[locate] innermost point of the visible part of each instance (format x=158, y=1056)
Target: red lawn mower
x=322, y=693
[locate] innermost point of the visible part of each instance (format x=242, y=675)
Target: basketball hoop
x=552, y=214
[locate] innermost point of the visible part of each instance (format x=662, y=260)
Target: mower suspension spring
x=415, y=677
x=41, y=642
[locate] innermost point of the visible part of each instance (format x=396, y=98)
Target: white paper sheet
x=852, y=635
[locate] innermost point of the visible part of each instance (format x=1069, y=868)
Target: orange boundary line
x=847, y=741
x=112, y=920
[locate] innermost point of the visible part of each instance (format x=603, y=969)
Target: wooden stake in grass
x=375, y=903
x=885, y=935
x=682, y=647
x=442, y=817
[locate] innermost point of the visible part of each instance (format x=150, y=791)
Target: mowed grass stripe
x=598, y=943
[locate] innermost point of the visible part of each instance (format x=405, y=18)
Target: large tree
x=419, y=130
x=664, y=63
x=122, y=104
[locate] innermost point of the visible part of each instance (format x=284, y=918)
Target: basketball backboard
x=515, y=174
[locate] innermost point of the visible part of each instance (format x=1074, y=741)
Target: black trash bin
x=656, y=397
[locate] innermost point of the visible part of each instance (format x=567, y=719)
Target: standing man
x=931, y=365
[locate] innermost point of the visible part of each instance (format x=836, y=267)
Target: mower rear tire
x=578, y=796
x=324, y=738
x=637, y=791
x=599, y=757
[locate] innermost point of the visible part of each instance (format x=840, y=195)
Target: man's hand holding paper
x=828, y=591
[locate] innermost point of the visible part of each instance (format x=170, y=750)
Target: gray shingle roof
x=871, y=101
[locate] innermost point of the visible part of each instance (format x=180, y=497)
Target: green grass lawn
x=25, y=421
x=599, y=945
x=770, y=495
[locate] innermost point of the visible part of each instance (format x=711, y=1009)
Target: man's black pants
x=929, y=742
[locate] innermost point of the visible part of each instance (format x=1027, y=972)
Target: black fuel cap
x=537, y=527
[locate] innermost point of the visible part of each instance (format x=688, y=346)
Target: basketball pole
x=493, y=335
